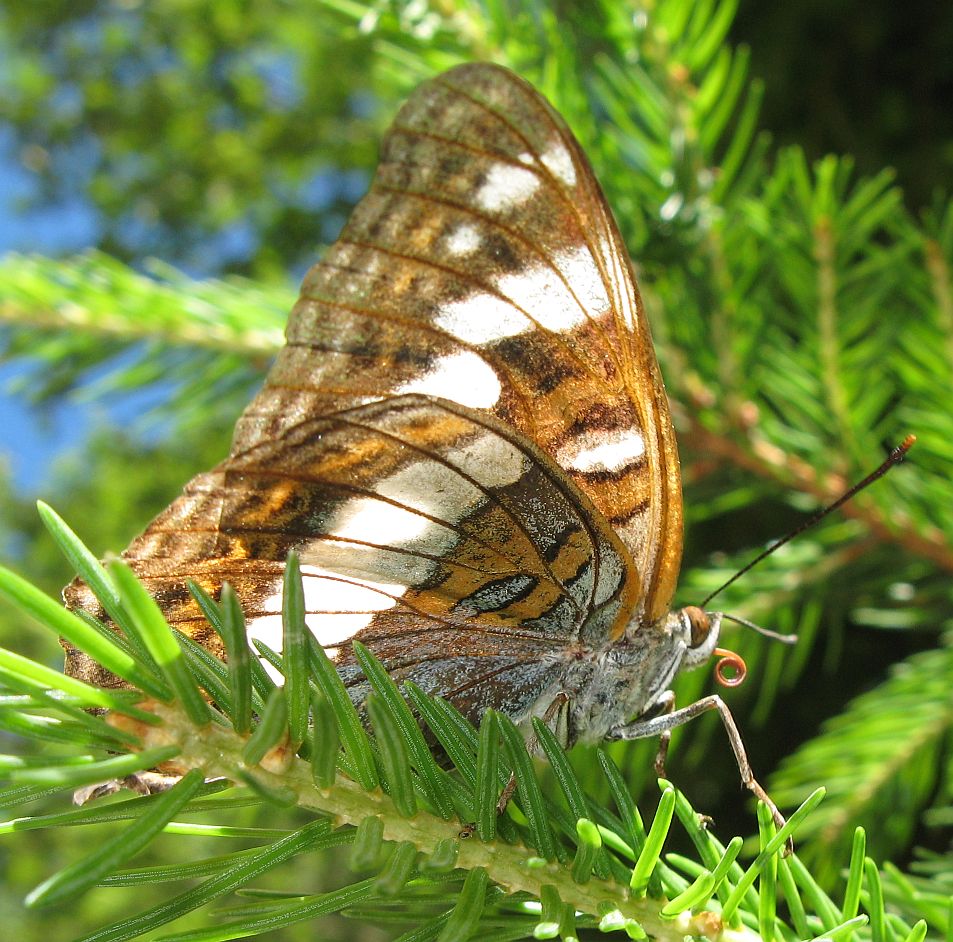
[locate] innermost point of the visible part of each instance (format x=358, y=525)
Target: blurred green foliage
x=213, y=135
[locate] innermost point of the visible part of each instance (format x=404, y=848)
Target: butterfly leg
x=663, y=706
x=509, y=789
x=558, y=707
x=142, y=783
x=660, y=725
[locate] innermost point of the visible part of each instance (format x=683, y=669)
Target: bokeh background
x=229, y=140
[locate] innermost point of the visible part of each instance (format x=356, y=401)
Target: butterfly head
x=699, y=632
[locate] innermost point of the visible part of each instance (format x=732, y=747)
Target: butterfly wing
x=439, y=538
x=484, y=267
x=466, y=438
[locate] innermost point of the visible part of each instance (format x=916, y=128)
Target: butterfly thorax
x=625, y=680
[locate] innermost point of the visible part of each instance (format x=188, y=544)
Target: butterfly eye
x=699, y=623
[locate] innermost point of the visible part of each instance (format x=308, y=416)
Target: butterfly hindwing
x=451, y=547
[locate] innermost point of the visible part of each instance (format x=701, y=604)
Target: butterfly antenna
x=766, y=632
x=894, y=458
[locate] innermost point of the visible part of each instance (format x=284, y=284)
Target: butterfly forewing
x=466, y=438
x=484, y=267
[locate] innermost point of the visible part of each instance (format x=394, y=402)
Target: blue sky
x=30, y=438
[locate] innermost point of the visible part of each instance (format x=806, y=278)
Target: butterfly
x=466, y=440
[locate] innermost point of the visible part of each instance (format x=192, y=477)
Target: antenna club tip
x=899, y=453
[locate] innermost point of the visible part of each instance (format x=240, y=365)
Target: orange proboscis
x=733, y=662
